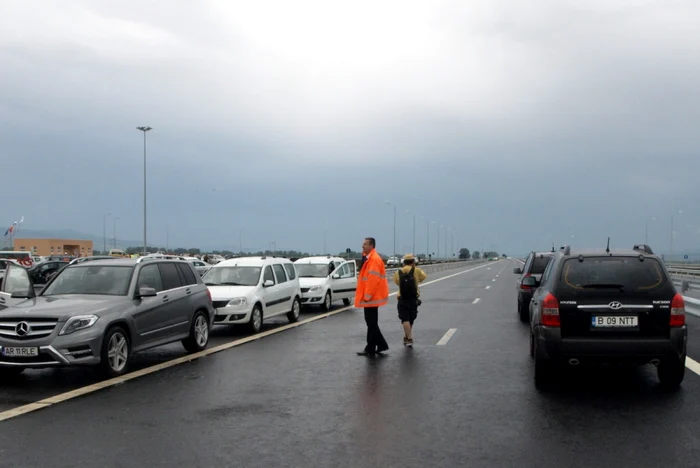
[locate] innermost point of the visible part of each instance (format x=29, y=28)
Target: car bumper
x=552, y=346
x=82, y=348
x=312, y=298
x=232, y=315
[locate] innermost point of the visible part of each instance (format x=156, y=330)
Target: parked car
x=324, y=280
x=534, y=266
x=101, y=313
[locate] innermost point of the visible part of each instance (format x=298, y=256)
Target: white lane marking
x=488, y=268
x=476, y=301
x=488, y=287
x=493, y=279
x=692, y=364
x=45, y=403
x=443, y=341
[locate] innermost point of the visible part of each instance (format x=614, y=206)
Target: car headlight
x=237, y=301
x=79, y=322
x=316, y=289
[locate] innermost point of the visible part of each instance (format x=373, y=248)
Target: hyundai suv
x=100, y=313
x=534, y=266
x=607, y=306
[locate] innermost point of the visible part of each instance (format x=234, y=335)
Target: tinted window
x=540, y=264
x=186, y=271
x=594, y=273
x=17, y=281
x=344, y=271
x=149, y=277
x=170, y=275
x=90, y=279
x=291, y=272
x=268, y=274
x=232, y=276
x=279, y=272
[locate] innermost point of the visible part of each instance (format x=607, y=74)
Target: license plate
x=20, y=352
x=608, y=321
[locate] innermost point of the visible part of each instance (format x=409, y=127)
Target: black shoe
x=381, y=350
x=365, y=353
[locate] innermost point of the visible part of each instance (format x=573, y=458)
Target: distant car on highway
x=248, y=290
x=607, y=306
x=100, y=313
x=534, y=266
x=324, y=280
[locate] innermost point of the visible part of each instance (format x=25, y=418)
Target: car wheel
x=523, y=313
x=671, y=373
x=544, y=369
x=199, y=333
x=327, y=301
x=293, y=315
x=346, y=302
x=532, y=344
x=115, y=352
x=256, y=319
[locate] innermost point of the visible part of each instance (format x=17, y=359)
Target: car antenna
x=607, y=249
x=552, y=246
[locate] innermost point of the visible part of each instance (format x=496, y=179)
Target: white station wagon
x=325, y=280
x=248, y=290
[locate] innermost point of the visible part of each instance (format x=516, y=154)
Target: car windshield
x=540, y=264
x=232, y=276
x=106, y=280
x=313, y=270
x=626, y=273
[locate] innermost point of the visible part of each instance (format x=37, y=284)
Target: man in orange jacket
x=372, y=293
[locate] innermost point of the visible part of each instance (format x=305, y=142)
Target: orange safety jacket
x=372, y=286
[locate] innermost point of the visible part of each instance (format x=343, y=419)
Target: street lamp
x=104, y=232
x=325, y=237
x=115, y=231
x=389, y=203
x=427, y=242
x=240, y=241
x=414, y=231
x=167, y=238
x=672, y=233
x=438, y=239
x=646, y=231
x=145, y=240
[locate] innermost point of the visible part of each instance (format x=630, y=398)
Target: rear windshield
x=540, y=264
x=626, y=273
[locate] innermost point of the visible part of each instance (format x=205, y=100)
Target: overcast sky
x=515, y=124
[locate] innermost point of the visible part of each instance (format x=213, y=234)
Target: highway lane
x=36, y=385
x=302, y=397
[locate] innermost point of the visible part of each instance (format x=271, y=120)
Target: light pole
x=115, y=231
x=440, y=226
x=414, y=231
x=427, y=242
x=438, y=235
x=389, y=203
x=646, y=231
x=104, y=232
x=447, y=254
x=240, y=241
x=145, y=240
x=325, y=236
x=167, y=238
x=672, y=233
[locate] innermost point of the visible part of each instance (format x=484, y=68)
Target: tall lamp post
x=145, y=239
x=672, y=232
x=167, y=238
x=115, y=231
x=104, y=232
x=414, y=230
x=389, y=203
x=427, y=242
x=646, y=231
x=325, y=238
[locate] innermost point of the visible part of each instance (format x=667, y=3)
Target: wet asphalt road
x=302, y=397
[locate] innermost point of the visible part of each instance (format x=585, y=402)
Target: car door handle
x=188, y=291
x=165, y=299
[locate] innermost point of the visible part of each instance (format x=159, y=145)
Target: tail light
x=677, y=311
x=209, y=294
x=523, y=286
x=550, y=311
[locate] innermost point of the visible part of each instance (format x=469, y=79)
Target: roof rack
x=566, y=249
x=644, y=248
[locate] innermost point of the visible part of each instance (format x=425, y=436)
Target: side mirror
x=517, y=271
x=23, y=295
x=268, y=283
x=530, y=281
x=147, y=292
x=336, y=276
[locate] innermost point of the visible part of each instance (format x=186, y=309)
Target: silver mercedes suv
x=100, y=313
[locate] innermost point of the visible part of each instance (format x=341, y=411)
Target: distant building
x=48, y=247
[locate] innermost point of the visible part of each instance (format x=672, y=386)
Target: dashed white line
x=493, y=279
x=488, y=287
x=476, y=301
x=693, y=365
x=443, y=341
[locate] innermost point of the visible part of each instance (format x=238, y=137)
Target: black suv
x=607, y=306
x=534, y=266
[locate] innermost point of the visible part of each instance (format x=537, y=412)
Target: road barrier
x=442, y=266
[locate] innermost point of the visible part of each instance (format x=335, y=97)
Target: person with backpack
x=408, y=278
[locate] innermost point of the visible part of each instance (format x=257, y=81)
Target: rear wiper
x=603, y=286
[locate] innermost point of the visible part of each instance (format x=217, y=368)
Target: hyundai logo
x=615, y=305
x=22, y=329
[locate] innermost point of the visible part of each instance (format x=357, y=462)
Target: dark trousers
x=375, y=339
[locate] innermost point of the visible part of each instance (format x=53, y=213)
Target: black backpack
x=407, y=285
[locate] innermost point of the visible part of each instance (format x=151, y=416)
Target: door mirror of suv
x=147, y=292
x=336, y=276
x=530, y=281
x=268, y=283
x=23, y=294
x=517, y=271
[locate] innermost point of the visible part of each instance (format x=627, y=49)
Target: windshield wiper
x=603, y=286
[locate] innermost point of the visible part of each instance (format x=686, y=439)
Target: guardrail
x=692, y=306
x=450, y=265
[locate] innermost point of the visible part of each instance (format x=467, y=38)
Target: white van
x=248, y=290
x=325, y=280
